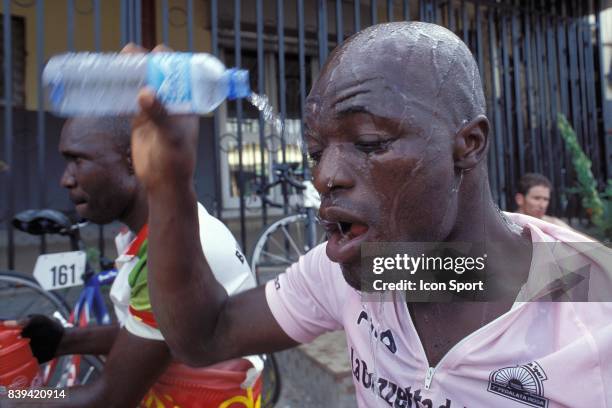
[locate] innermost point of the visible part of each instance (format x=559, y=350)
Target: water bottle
x=105, y=84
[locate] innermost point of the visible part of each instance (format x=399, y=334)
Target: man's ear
x=471, y=143
x=520, y=199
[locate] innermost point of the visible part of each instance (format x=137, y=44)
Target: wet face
x=97, y=173
x=381, y=155
x=535, y=203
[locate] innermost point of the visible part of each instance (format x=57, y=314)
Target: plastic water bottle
x=103, y=84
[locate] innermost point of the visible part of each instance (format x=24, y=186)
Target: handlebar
x=284, y=175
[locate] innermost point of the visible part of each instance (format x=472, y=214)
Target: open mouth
x=344, y=237
x=77, y=199
x=347, y=230
x=78, y=203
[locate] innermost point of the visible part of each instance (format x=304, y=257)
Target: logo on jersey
x=386, y=337
x=239, y=254
x=520, y=383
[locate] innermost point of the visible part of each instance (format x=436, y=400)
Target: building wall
x=56, y=31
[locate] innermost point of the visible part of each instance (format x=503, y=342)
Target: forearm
x=186, y=298
x=88, y=340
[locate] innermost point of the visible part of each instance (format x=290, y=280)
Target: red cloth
x=217, y=386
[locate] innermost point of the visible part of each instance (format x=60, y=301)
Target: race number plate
x=60, y=270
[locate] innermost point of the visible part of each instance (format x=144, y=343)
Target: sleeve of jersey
x=307, y=299
x=223, y=254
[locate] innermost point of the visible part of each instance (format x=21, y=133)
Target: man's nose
x=333, y=171
x=67, y=180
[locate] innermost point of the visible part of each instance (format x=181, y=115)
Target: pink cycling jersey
x=538, y=354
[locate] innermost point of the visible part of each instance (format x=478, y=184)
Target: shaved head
x=418, y=68
x=116, y=127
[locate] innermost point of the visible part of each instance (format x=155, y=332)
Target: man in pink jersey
x=398, y=137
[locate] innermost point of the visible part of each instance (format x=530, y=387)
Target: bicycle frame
x=90, y=300
x=284, y=176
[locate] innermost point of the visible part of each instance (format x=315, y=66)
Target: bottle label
x=169, y=75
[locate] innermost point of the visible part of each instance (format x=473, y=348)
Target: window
x=251, y=145
x=18, y=60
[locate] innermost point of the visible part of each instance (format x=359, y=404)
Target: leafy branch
x=597, y=204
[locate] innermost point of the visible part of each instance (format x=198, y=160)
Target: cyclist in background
x=101, y=183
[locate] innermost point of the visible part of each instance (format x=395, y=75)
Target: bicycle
x=281, y=244
x=285, y=240
x=23, y=295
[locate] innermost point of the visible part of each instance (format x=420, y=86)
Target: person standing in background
x=533, y=198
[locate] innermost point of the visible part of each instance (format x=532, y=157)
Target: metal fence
x=537, y=58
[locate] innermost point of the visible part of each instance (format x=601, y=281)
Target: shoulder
x=569, y=260
x=556, y=221
x=223, y=254
x=316, y=277
x=317, y=266
x=310, y=298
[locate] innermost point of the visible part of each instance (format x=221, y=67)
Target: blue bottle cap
x=238, y=83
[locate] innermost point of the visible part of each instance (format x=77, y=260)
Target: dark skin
x=101, y=182
x=388, y=161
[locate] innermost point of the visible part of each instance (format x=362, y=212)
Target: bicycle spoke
x=21, y=296
x=291, y=241
x=302, y=237
x=275, y=242
x=277, y=257
x=280, y=245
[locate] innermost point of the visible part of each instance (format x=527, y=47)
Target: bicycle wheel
x=20, y=296
x=280, y=245
x=271, y=382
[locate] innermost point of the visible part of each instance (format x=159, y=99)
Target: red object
x=18, y=367
x=216, y=386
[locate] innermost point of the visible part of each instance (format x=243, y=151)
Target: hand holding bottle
x=164, y=146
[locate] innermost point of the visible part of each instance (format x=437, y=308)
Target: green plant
x=93, y=256
x=597, y=204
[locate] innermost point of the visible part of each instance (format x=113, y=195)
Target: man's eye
x=314, y=158
x=378, y=146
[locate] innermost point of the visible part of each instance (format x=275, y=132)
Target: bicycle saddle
x=39, y=222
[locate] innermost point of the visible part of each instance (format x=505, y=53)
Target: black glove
x=45, y=335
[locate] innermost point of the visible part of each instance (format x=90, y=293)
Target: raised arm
x=200, y=323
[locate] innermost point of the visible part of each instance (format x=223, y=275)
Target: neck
x=478, y=218
x=138, y=212
x=480, y=221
